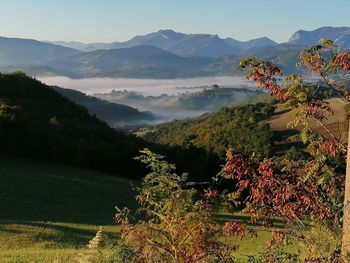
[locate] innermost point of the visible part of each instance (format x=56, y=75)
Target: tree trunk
x=346, y=218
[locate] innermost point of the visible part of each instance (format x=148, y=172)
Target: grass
x=49, y=212
x=251, y=246
x=47, y=241
x=335, y=122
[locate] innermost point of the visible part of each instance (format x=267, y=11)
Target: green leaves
x=327, y=43
x=248, y=61
x=234, y=198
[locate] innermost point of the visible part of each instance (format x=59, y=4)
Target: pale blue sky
x=119, y=20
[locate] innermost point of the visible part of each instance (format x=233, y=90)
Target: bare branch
x=330, y=133
x=332, y=87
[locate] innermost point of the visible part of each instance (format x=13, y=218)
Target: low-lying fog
x=167, y=99
x=145, y=87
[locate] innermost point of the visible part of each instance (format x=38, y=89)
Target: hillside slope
x=16, y=52
x=258, y=129
x=240, y=127
x=38, y=122
x=153, y=62
x=140, y=61
x=45, y=191
x=49, y=212
x=114, y=114
x=335, y=122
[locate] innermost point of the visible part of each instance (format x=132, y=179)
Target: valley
x=172, y=146
x=158, y=100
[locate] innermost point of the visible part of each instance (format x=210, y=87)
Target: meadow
x=49, y=212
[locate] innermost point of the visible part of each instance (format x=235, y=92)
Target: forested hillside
x=37, y=122
x=114, y=114
x=239, y=127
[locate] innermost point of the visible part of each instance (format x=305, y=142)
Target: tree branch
x=330, y=133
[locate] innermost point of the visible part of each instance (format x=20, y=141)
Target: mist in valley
x=167, y=99
x=146, y=87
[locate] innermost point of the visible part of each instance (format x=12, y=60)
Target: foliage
x=179, y=225
x=309, y=187
x=240, y=127
x=213, y=98
x=114, y=114
x=39, y=123
x=46, y=125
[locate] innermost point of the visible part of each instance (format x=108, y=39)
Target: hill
x=116, y=115
x=240, y=127
x=336, y=122
x=49, y=212
x=38, y=122
x=187, y=102
x=17, y=52
x=46, y=189
x=153, y=62
x=257, y=128
x=139, y=62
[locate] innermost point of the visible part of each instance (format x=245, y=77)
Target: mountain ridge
x=21, y=51
x=170, y=40
x=340, y=36
x=162, y=54
x=138, y=61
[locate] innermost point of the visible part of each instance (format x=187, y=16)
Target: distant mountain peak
x=254, y=43
x=340, y=35
x=167, y=31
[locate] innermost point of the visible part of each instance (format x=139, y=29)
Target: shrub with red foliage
x=312, y=187
x=275, y=192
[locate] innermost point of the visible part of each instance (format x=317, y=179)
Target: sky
x=119, y=20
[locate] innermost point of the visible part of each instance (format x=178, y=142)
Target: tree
x=179, y=224
x=312, y=187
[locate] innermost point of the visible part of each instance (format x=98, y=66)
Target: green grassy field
x=49, y=212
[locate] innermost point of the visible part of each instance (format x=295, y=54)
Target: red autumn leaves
x=285, y=193
x=264, y=75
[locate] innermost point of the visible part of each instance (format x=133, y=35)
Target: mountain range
x=339, y=35
x=18, y=52
x=137, y=61
x=162, y=54
x=179, y=43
